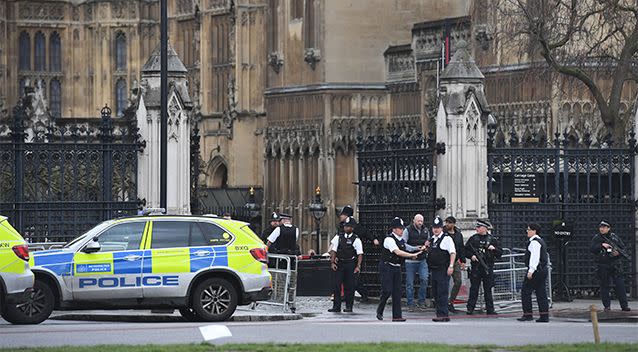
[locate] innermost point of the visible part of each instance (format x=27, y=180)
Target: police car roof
x=206, y=216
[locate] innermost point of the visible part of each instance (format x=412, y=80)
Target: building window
x=309, y=24
x=274, y=25
x=296, y=9
x=40, y=52
x=55, y=53
x=120, y=97
x=55, y=98
x=120, y=51
x=25, y=52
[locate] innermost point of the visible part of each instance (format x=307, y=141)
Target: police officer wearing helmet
x=536, y=260
x=610, y=254
x=274, y=223
x=393, y=254
x=482, y=249
x=346, y=213
x=283, y=239
x=441, y=257
x=346, y=254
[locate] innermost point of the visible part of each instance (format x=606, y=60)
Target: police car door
x=167, y=244
x=115, y=270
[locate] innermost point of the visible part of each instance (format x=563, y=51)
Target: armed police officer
x=482, y=249
x=441, y=258
x=416, y=235
x=346, y=254
x=536, y=260
x=393, y=254
x=283, y=239
x=274, y=223
x=362, y=234
x=611, y=256
x=459, y=264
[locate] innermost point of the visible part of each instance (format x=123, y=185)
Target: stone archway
x=217, y=173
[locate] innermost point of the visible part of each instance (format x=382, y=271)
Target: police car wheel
x=214, y=299
x=35, y=310
x=189, y=315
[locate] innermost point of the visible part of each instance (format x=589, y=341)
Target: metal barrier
x=509, y=273
x=283, y=269
x=43, y=246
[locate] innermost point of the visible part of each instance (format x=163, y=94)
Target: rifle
x=481, y=258
x=616, y=247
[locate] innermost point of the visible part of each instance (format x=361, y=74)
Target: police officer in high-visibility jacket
x=536, y=260
x=393, y=255
x=346, y=254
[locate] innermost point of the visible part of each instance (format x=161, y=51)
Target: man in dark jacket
x=482, y=249
x=274, y=223
x=610, y=255
x=459, y=264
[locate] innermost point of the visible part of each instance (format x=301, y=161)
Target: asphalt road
x=322, y=329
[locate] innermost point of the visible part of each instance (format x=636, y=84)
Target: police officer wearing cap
x=274, y=223
x=482, y=244
x=346, y=254
x=610, y=256
x=441, y=257
x=346, y=213
x=393, y=254
x=283, y=239
x=536, y=260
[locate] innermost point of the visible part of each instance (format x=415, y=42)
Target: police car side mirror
x=92, y=247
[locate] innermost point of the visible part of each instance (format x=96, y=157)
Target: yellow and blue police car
x=16, y=279
x=204, y=266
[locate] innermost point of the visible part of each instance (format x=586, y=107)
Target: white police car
x=203, y=266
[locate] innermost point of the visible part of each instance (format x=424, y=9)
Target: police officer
x=610, y=255
x=459, y=264
x=416, y=235
x=283, y=239
x=393, y=254
x=486, y=247
x=536, y=260
x=346, y=254
x=360, y=231
x=441, y=258
x=274, y=223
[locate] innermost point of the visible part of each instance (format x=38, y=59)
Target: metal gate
x=396, y=178
x=59, y=178
x=579, y=183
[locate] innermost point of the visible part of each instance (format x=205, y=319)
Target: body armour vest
x=345, y=249
x=542, y=263
x=437, y=257
x=390, y=257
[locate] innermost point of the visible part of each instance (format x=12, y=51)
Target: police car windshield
x=92, y=232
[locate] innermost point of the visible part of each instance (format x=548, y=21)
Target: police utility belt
x=393, y=264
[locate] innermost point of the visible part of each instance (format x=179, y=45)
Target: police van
x=16, y=279
x=204, y=266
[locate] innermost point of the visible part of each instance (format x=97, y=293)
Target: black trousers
x=390, y=286
x=607, y=273
x=478, y=275
x=344, y=276
x=538, y=285
x=440, y=290
x=360, y=287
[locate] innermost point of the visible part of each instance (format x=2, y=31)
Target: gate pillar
x=461, y=135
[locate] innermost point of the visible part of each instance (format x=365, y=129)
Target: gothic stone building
x=282, y=88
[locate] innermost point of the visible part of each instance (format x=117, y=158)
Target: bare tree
x=592, y=41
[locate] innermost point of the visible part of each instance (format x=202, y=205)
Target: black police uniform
x=362, y=234
x=264, y=234
x=438, y=262
x=610, y=268
x=344, y=275
x=390, y=273
x=479, y=274
x=537, y=284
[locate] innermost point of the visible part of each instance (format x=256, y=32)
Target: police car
x=204, y=266
x=16, y=279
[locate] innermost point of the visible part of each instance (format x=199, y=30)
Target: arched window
x=120, y=51
x=55, y=98
x=25, y=51
x=40, y=55
x=55, y=53
x=120, y=97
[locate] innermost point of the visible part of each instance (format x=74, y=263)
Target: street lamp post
x=254, y=209
x=318, y=210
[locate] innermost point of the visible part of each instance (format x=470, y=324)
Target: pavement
x=569, y=325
